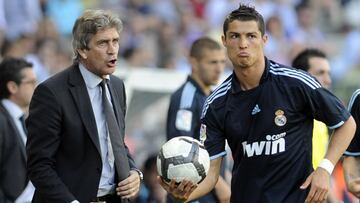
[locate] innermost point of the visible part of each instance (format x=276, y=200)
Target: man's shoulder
x=60, y=77
x=292, y=77
x=355, y=98
x=116, y=80
x=4, y=119
x=217, y=99
x=4, y=114
x=178, y=92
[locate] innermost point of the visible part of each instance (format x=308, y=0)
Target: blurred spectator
x=19, y=48
x=65, y=17
x=277, y=47
x=134, y=57
x=349, y=59
x=151, y=191
x=307, y=33
x=2, y=23
x=22, y=17
x=17, y=84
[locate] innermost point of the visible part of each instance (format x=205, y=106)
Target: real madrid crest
x=280, y=119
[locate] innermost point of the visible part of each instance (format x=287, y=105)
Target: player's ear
x=194, y=63
x=12, y=87
x=265, y=38
x=82, y=53
x=223, y=39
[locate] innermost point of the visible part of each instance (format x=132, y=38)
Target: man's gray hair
x=88, y=24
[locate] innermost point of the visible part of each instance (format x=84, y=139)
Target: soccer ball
x=183, y=158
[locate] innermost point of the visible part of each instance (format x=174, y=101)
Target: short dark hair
x=245, y=13
x=200, y=44
x=10, y=70
x=301, y=61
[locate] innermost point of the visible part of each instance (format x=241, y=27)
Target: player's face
x=101, y=57
x=22, y=94
x=320, y=69
x=210, y=66
x=244, y=43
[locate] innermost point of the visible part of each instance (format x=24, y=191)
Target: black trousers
x=108, y=199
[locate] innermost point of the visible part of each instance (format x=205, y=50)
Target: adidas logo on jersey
x=274, y=144
x=255, y=110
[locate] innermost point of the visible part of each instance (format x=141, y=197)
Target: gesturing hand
x=319, y=182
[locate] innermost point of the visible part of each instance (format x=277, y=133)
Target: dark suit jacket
x=12, y=159
x=63, y=149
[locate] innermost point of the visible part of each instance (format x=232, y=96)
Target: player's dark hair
x=245, y=13
x=301, y=61
x=10, y=70
x=200, y=44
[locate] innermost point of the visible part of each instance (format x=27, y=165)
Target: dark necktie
x=22, y=120
x=120, y=155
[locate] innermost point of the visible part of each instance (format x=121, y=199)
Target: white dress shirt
x=107, y=180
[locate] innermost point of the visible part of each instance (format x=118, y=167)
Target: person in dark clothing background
x=207, y=60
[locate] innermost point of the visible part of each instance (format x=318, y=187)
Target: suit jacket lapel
x=81, y=97
x=15, y=129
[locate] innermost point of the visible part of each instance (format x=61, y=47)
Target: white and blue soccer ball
x=183, y=158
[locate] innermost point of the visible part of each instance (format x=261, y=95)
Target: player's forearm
x=203, y=188
x=340, y=140
x=222, y=190
x=209, y=182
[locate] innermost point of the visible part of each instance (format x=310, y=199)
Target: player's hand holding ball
x=182, y=163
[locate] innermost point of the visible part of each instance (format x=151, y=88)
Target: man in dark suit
x=17, y=84
x=72, y=155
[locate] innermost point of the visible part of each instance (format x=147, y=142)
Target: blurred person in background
x=75, y=147
x=17, y=84
x=315, y=62
x=351, y=161
x=207, y=60
x=307, y=33
x=151, y=191
x=22, y=18
x=278, y=45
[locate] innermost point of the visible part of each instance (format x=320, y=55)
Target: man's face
x=22, y=94
x=244, y=43
x=101, y=57
x=210, y=66
x=320, y=69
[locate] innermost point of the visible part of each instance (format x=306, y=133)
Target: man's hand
x=320, y=184
x=354, y=187
x=351, y=166
x=180, y=192
x=129, y=187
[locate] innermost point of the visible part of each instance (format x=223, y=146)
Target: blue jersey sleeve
x=326, y=107
x=211, y=132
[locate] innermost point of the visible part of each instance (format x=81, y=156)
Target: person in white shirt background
x=17, y=84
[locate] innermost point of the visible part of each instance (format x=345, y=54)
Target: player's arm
x=222, y=190
x=320, y=178
x=351, y=166
x=351, y=161
x=187, y=191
